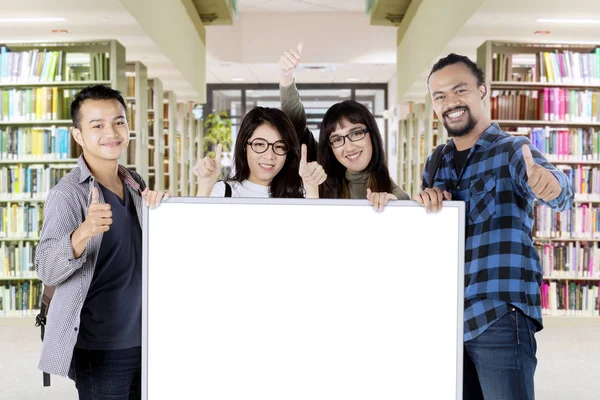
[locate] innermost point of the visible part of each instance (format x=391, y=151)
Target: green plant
x=217, y=129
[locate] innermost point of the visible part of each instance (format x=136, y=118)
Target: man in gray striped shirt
x=90, y=249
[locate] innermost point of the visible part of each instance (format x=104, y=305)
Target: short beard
x=464, y=130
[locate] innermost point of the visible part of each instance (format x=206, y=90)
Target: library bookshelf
x=549, y=93
x=37, y=84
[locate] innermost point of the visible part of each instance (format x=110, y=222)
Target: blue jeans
x=500, y=363
x=107, y=374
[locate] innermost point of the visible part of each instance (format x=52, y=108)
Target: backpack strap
x=40, y=320
x=434, y=164
x=227, y=189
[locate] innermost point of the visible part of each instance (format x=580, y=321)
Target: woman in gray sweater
x=350, y=147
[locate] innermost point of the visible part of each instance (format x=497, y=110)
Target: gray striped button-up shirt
x=64, y=210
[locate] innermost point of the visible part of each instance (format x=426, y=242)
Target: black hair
x=452, y=59
x=93, y=92
x=287, y=183
x=336, y=185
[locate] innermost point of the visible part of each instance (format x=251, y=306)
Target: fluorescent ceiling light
x=569, y=21
x=237, y=79
x=36, y=19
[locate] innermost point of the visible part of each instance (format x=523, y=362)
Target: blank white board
x=302, y=299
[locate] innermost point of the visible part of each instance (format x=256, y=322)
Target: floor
x=568, y=361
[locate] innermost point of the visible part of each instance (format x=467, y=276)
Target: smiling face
x=355, y=156
x=103, y=132
x=265, y=166
x=457, y=99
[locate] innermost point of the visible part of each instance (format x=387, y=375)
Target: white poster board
x=287, y=299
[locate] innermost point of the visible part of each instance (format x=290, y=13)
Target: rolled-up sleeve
x=54, y=258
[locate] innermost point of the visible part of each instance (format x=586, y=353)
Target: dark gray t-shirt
x=111, y=316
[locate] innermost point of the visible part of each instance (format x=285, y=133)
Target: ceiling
x=247, y=6
x=343, y=48
x=515, y=20
x=92, y=20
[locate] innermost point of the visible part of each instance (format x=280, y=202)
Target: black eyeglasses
x=260, y=145
x=354, y=136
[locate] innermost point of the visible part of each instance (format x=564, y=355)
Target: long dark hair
x=336, y=186
x=287, y=183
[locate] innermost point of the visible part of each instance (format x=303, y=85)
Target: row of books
x=37, y=104
x=20, y=299
x=16, y=260
x=554, y=67
x=548, y=104
x=31, y=66
x=564, y=298
x=18, y=182
x=42, y=65
x=569, y=260
x=577, y=144
x=29, y=144
x=585, y=181
x=579, y=222
x=20, y=220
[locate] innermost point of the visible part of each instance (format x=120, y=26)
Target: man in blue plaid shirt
x=498, y=176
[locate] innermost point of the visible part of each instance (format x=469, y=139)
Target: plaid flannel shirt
x=64, y=210
x=502, y=268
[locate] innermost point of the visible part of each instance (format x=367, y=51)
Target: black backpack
x=40, y=320
x=434, y=164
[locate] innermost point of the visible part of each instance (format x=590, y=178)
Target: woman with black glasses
x=267, y=159
x=350, y=147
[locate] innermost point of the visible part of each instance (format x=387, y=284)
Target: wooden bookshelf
x=57, y=71
x=170, y=130
x=551, y=83
x=137, y=115
x=419, y=132
x=157, y=143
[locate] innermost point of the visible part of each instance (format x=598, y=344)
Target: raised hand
x=312, y=174
x=99, y=216
x=288, y=63
x=207, y=171
x=542, y=182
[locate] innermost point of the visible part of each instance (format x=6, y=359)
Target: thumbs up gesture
x=312, y=174
x=288, y=63
x=99, y=216
x=207, y=170
x=542, y=182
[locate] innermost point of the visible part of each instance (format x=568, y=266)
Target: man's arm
x=55, y=258
x=291, y=103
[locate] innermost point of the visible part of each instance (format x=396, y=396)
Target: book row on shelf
x=581, y=221
x=37, y=104
x=26, y=144
x=16, y=259
x=567, y=66
x=20, y=298
x=19, y=182
x=564, y=144
x=568, y=298
x=20, y=220
x=569, y=260
x=548, y=104
x=43, y=65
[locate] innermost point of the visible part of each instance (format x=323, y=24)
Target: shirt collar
x=485, y=140
x=124, y=174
